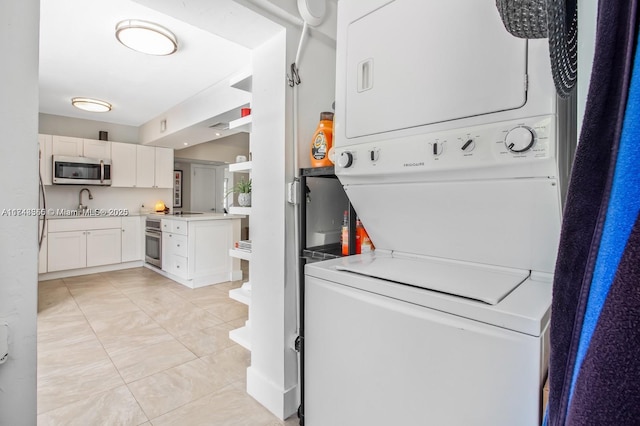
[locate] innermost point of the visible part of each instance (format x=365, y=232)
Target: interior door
x=203, y=188
x=430, y=62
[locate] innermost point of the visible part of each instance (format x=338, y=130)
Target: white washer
x=382, y=353
x=446, y=322
x=453, y=148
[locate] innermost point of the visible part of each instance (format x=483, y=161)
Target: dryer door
x=414, y=62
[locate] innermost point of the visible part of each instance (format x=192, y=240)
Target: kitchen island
x=195, y=248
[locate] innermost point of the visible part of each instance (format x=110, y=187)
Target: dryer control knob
x=437, y=148
x=345, y=160
x=469, y=145
x=519, y=139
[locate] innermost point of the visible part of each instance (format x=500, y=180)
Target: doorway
x=203, y=188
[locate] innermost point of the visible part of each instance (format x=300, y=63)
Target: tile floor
x=134, y=348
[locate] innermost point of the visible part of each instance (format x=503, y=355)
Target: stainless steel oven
x=153, y=242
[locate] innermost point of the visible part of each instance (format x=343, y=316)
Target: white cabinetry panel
x=123, y=165
x=132, y=239
x=145, y=166
x=104, y=247
x=66, y=250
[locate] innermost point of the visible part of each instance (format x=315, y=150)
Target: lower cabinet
x=82, y=243
x=66, y=250
x=132, y=239
x=104, y=247
x=197, y=252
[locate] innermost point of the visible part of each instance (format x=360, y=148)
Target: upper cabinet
x=78, y=147
x=132, y=165
x=164, y=168
x=154, y=167
x=123, y=165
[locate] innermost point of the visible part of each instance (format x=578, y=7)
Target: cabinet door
x=209, y=244
x=123, y=165
x=131, y=239
x=145, y=166
x=67, y=145
x=45, y=143
x=104, y=247
x=97, y=149
x=66, y=250
x=164, y=168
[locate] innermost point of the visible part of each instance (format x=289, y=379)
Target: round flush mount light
x=91, y=105
x=146, y=37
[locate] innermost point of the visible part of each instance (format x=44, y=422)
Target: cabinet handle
x=178, y=245
x=178, y=266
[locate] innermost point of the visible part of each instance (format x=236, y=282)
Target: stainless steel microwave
x=81, y=171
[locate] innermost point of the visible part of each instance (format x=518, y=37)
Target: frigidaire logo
x=413, y=164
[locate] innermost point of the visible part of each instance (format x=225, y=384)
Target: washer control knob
x=519, y=139
x=437, y=147
x=345, y=159
x=469, y=145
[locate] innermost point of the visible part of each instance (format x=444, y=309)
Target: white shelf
x=242, y=294
x=241, y=167
x=240, y=254
x=240, y=210
x=241, y=336
x=242, y=124
x=242, y=81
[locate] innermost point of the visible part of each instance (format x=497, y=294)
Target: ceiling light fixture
x=91, y=105
x=146, y=37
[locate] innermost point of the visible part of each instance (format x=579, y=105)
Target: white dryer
x=454, y=156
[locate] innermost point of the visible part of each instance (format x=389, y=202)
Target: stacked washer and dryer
x=454, y=149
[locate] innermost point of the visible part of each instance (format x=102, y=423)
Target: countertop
x=198, y=217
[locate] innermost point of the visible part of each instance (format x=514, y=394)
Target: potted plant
x=243, y=189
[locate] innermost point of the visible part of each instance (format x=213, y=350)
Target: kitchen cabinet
x=154, y=167
x=66, y=250
x=84, y=242
x=104, y=246
x=196, y=253
x=132, y=239
x=123, y=164
x=78, y=147
x=164, y=168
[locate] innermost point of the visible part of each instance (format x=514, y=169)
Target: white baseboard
x=86, y=271
x=281, y=402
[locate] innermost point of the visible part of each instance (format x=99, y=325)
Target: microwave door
x=72, y=172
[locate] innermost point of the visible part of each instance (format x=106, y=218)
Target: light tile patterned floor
x=134, y=348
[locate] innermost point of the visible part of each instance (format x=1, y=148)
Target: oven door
x=153, y=247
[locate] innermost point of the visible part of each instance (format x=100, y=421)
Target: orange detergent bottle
x=322, y=141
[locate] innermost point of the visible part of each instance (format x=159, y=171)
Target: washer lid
x=488, y=284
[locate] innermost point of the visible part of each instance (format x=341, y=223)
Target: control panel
x=515, y=148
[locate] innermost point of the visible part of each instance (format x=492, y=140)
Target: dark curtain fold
x=588, y=196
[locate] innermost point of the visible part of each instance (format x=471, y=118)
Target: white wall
x=19, y=22
x=223, y=150
x=106, y=197
x=272, y=378
x=88, y=129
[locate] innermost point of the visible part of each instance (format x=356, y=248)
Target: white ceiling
x=80, y=56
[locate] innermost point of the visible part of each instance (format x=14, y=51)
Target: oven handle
x=153, y=233
x=101, y=171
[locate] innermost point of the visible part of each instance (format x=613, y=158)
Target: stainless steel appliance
x=81, y=171
x=153, y=242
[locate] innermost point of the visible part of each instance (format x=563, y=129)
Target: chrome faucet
x=82, y=207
